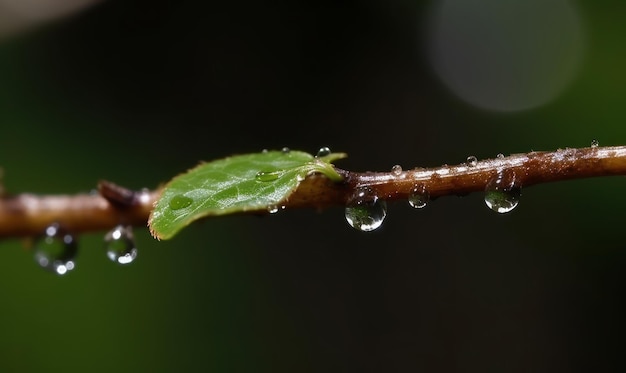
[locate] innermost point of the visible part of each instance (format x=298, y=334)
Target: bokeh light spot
x=506, y=55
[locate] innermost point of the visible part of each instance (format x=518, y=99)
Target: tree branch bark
x=28, y=215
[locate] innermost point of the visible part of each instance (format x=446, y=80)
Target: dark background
x=138, y=91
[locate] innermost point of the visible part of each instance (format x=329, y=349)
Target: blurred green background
x=137, y=91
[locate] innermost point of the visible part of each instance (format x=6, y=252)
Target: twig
x=29, y=215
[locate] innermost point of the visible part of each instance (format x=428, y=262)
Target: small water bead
x=144, y=196
x=322, y=152
x=419, y=197
x=396, y=170
x=120, y=245
x=268, y=175
x=272, y=209
x=365, y=211
x=502, y=193
x=56, y=250
x=595, y=143
x=286, y=150
x=180, y=201
x=500, y=156
x=472, y=161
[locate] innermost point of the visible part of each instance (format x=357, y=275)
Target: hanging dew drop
x=120, y=245
x=268, y=175
x=272, y=209
x=180, y=201
x=472, y=161
x=419, y=197
x=502, y=193
x=365, y=211
x=501, y=202
x=396, y=170
x=323, y=152
x=595, y=143
x=56, y=250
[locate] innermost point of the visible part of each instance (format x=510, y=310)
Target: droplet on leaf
x=268, y=175
x=180, y=201
x=322, y=152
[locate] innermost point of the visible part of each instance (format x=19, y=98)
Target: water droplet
x=144, y=196
x=595, y=143
x=120, y=245
x=472, y=161
x=264, y=151
x=502, y=193
x=180, y=201
x=268, y=175
x=500, y=156
x=272, y=209
x=56, y=250
x=322, y=152
x=366, y=211
x=419, y=197
x=285, y=150
x=396, y=170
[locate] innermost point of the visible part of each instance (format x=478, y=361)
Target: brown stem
x=528, y=169
x=29, y=215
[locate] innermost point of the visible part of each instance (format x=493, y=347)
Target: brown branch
x=29, y=215
x=528, y=169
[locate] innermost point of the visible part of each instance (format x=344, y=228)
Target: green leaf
x=248, y=182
